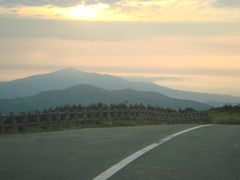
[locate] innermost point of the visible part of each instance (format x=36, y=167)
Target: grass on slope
x=224, y=117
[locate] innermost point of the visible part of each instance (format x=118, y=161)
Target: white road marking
x=117, y=167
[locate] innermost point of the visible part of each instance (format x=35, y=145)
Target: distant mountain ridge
x=87, y=94
x=69, y=77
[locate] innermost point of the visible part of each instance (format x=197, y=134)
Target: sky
x=191, y=45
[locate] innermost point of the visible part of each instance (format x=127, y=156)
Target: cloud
x=59, y=3
x=122, y=10
x=151, y=79
x=12, y=3
x=227, y=3
x=110, y=31
x=204, y=58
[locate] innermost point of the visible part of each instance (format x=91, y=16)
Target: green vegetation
x=224, y=117
x=227, y=114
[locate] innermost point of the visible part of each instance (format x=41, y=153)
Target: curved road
x=211, y=152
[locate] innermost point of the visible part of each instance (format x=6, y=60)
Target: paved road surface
x=208, y=153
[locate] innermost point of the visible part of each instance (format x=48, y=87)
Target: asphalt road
x=208, y=153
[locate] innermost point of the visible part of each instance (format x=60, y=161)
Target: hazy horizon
x=128, y=78
x=189, y=45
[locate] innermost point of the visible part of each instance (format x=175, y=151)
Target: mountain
x=69, y=77
x=87, y=94
x=58, y=80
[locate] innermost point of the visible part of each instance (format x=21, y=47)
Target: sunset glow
x=122, y=10
x=196, y=40
x=81, y=12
